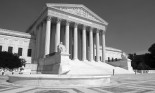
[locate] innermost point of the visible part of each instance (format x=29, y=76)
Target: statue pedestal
x=55, y=63
x=129, y=65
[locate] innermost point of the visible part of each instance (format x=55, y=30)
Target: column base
x=91, y=60
x=97, y=61
x=75, y=59
x=84, y=59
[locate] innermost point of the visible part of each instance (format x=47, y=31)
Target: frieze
x=71, y=18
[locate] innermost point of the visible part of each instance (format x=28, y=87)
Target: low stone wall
x=151, y=71
x=33, y=67
x=126, y=64
x=60, y=80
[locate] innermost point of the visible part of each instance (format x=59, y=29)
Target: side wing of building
x=17, y=42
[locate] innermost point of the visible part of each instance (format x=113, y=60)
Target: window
x=116, y=59
x=20, y=51
x=10, y=49
x=0, y=48
x=29, y=52
x=112, y=59
x=108, y=59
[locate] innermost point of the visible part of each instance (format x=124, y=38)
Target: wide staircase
x=92, y=68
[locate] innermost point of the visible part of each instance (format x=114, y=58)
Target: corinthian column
x=47, y=35
x=103, y=46
x=38, y=40
x=97, y=45
x=67, y=37
x=75, y=42
x=57, y=35
x=91, y=44
x=84, y=43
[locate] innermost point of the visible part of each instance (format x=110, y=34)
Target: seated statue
x=61, y=48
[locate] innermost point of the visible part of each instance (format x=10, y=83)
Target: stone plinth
x=56, y=63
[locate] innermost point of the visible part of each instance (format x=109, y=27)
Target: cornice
x=14, y=33
x=110, y=49
x=113, y=49
x=36, y=19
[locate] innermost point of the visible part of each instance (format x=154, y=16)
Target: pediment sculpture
x=80, y=12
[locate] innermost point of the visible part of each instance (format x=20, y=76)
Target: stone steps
x=81, y=67
x=109, y=68
x=87, y=67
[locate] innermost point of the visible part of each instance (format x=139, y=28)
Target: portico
x=63, y=28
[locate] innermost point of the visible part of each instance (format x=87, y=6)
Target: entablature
x=75, y=19
x=15, y=33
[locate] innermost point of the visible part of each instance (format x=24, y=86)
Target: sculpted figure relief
x=79, y=11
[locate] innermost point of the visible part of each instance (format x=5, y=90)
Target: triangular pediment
x=78, y=10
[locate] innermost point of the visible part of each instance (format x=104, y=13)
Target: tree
x=152, y=49
x=140, y=61
x=151, y=57
x=131, y=56
x=10, y=61
x=134, y=60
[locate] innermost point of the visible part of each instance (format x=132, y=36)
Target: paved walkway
x=141, y=83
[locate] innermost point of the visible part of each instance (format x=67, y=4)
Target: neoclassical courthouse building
x=61, y=32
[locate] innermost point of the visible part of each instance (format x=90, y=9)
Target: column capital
x=84, y=27
x=103, y=32
x=68, y=22
x=91, y=28
x=97, y=30
x=58, y=20
x=76, y=24
x=48, y=18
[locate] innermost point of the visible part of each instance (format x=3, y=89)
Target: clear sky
x=131, y=22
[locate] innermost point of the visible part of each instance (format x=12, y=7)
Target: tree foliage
x=10, y=61
x=144, y=61
x=152, y=49
x=139, y=62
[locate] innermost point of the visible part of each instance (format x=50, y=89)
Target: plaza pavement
x=140, y=83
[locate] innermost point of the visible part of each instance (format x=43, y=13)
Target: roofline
x=58, y=4
x=80, y=5
x=35, y=19
x=15, y=33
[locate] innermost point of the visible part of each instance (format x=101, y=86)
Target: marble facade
x=77, y=28
x=16, y=40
